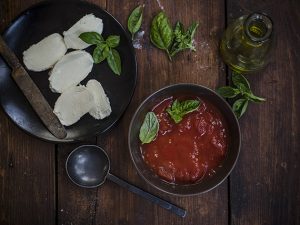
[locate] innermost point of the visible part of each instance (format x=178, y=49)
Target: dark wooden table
x=262, y=189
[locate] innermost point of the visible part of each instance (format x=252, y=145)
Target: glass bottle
x=245, y=45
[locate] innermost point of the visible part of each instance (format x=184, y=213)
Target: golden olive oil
x=246, y=43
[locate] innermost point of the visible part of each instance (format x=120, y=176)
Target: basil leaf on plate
x=104, y=49
x=179, y=109
x=113, y=41
x=114, y=61
x=149, y=128
x=135, y=20
x=100, y=54
x=161, y=34
x=228, y=92
x=239, y=107
x=92, y=38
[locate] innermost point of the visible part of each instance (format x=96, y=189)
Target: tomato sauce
x=191, y=150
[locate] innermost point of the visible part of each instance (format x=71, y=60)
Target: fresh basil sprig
x=183, y=39
x=180, y=109
x=104, y=49
x=135, y=20
x=149, y=128
x=242, y=91
x=172, y=41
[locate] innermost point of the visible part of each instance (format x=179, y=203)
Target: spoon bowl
x=87, y=166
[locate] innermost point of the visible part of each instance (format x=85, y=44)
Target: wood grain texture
x=118, y=206
x=265, y=183
x=27, y=193
x=264, y=186
x=75, y=205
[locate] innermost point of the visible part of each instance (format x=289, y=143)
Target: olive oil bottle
x=246, y=43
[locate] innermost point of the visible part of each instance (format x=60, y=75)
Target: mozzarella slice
x=44, y=54
x=73, y=104
x=88, y=23
x=70, y=70
x=101, y=107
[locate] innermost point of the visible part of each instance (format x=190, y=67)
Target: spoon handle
x=162, y=203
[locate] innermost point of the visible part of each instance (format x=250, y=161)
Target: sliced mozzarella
x=73, y=104
x=88, y=23
x=70, y=70
x=101, y=107
x=44, y=54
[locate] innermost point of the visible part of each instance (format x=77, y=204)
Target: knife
x=32, y=93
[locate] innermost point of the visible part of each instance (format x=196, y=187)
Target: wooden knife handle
x=32, y=93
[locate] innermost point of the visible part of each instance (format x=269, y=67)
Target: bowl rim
x=182, y=85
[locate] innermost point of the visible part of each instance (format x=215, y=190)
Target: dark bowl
x=207, y=183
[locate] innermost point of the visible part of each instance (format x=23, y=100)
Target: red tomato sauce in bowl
x=191, y=150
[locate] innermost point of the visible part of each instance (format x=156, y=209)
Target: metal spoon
x=88, y=166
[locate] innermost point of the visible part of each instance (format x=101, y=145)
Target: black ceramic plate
x=50, y=17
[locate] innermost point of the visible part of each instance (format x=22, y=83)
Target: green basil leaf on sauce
x=239, y=107
x=113, y=41
x=135, y=20
x=161, y=34
x=92, y=38
x=149, y=128
x=228, y=92
x=189, y=106
x=114, y=61
x=179, y=109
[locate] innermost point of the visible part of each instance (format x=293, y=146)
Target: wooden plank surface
x=27, y=193
x=264, y=186
x=265, y=183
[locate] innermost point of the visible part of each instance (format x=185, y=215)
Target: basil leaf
x=113, y=41
x=254, y=98
x=239, y=107
x=228, y=92
x=183, y=40
x=176, y=117
x=176, y=105
x=241, y=82
x=178, y=30
x=135, y=20
x=92, y=38
x=114, y=61
x=189, y=106
x=149, y=128
x=161, y=34
x=180, y=109
x=192, y=30
x=102, y=45
x=100, y=54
